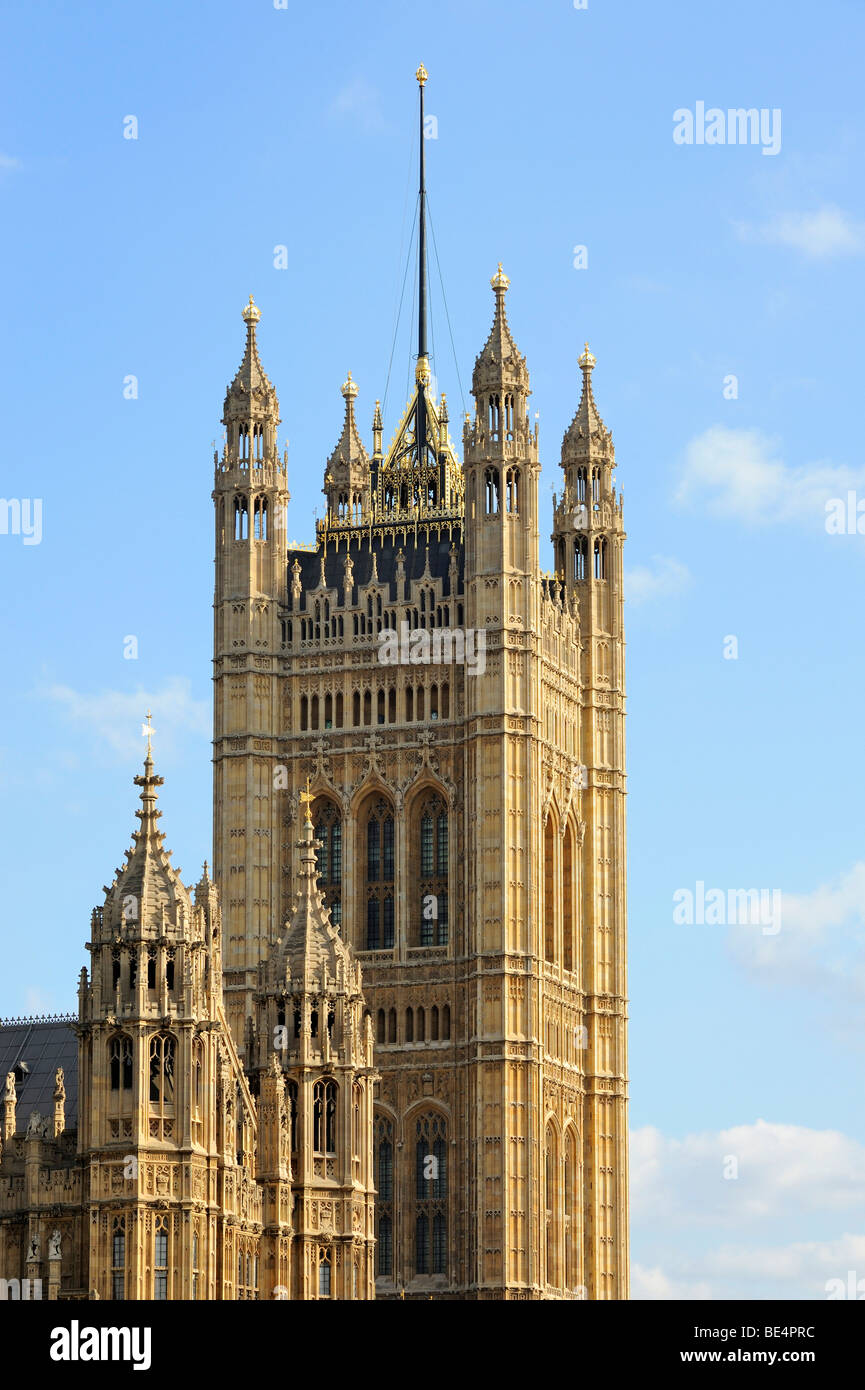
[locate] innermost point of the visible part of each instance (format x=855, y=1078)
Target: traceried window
x=160, y=1260
x=118, y=1258
x=378, y=897
x=430, y=926
x=324, y=1274
x=120, y=1063
x=291, y=1096
x=383, y=1162
x=431, y=1194
x=162, y=1049
x=328, y=831
x=324, y=1117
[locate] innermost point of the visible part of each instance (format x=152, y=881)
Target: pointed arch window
x=378, y=830
x=120, y=1062
x=571, y=1209
x=550, y=889
x=162, y=1052
x=431, y=1194
x=118, y=1258
x=430, y=871
x=324, y=1117
x=160, y=1260
x=551, y=1213
x=328, y=832
x=512, y=491
x=581, y=556
x=291, y=1094
x=324, y=1274
x=491, y=489
x=383, y=1172
x=569, y=939
x=600, y=556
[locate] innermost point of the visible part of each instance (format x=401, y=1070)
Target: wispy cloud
x=8, y=162
x=116, y=717
x=725, y=1214
x=359, y=102
x=661, y=578
x=820, y=235
x=819, y=946
x=738, y=473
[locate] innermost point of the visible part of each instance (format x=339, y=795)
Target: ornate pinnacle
x=349, y=388
x=251, y=313
x=421, y=75
x=586, y=359
x=500, y=281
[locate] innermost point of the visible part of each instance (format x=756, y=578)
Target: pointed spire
x=377, y=429
x=311, y=947
x=250, y=399
x=587, y=434
x=500, y=362
x=148, y=885
x=349, y=452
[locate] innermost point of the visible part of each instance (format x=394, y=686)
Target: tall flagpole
x=422, y=371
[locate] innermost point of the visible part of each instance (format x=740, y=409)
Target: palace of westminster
x=380, y=1052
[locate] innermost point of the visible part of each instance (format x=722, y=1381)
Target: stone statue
x=54, y=1245
x=33, y=1250
x=10, y=1086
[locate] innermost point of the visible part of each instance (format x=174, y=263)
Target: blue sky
x=260, y=128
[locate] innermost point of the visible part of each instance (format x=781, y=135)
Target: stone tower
x=312, y=1049
x=459, y=717
x=166, y=1132
x=250, y=496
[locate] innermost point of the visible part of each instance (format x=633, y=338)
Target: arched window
x=380, y=1027
x=324, y=1274
x=241, y=519
x=600, y=558
x=512, y=491
x=569, y=940
x=377, y=848
x=162, y=1050
x=160, y=1259
x=491, y=489
x=409, y=1024
x=324, y=1117
x=383, y=1156
x=581, y=555
x=431, y=1194
x=430, y=871
x=434, y=1023
x=291, y=1094
x=328, y=832
x=571, y=1209
x=391, y=1025
x=551, y=1204
x=120, y=1062
x=118, y=1258
x=549, y=888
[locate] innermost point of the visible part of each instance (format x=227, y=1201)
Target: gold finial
x=251, y=313
x=349, y=388
x=422, y=371
x=500, y=281
x=421, y=75
x=306, y=799
x=148, y=731
x=587, y=359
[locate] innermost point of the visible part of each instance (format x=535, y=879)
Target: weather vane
x=148, y=731
x=306, y=799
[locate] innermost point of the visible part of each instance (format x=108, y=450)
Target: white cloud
x=8, y=162
x=819, y=946
x=820, y=235
x=359, y=101
x=700, y=1235
x=116, y=716
x=663, y=578
x=738, y=473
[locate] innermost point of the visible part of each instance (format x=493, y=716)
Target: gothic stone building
x=453, y=720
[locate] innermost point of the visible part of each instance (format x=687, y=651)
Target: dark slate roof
x=386, y=550
x=42, y=1047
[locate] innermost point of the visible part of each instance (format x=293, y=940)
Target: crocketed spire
x=587, y=436
x=349, y=452
x=147, y=887
x=311, y=955
x=500, y=362
x=251, y=396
